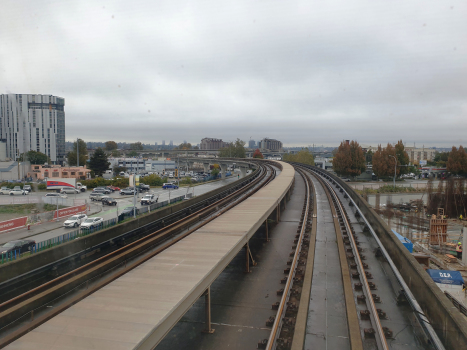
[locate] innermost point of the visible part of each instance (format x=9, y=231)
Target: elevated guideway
x=137, y=310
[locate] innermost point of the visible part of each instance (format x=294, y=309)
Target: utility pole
x=395, y=168
x=77, y=152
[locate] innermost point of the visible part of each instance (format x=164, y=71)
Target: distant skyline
x=299, y=71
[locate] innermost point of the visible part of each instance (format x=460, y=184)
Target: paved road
x=53, y=229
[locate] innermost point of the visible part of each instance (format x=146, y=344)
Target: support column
x=223, y=170
x=206, y=167
x=242, y=172
x=267, y=230
x=247, y=258
x=207, y=306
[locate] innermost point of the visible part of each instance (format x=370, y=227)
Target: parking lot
x=53, y=229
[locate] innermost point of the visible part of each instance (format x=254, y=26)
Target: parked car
x=101, y=190
x=127, y=191
x=128, y=211
x=55, y=194
x=17, y=188
x=75, y=220
x=18, y=192
x=96, y=196
x=5, y=190
x=108, y=201
x=71, y=190
x=169, y=185
x=92, y=223
x=143, y=188
x=27, y=188
x=149, y=199
x=20, y=246
x=114, y=188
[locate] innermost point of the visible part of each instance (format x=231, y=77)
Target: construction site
x=434, y=223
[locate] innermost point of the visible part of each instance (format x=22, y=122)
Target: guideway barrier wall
x=447, y=321
x=18, y=267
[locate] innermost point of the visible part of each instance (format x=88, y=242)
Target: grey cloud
x=299, y=71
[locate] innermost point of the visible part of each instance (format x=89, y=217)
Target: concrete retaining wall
x=447, y=321
x=21, y=266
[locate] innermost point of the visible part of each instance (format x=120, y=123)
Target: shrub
x=42, y=187
x=153, y=180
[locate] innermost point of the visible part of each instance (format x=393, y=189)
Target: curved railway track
x=24, y=312
x=380, y=311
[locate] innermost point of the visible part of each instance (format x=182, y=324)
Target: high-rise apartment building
x=212, y=144
x=251, y=144
x=33, y=122
x=271, y=144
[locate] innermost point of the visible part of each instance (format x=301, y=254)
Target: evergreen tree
x=98, y=162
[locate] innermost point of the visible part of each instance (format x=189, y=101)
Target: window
x=66, y=173
x=73, y=173
x=55, y=174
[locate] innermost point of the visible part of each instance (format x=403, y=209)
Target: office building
x=33, y=122
x=251, y=144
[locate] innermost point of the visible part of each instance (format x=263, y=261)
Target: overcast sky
x=302, y=72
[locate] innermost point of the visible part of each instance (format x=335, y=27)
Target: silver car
x=92, y=223
x=18, y=192
x=75, y=220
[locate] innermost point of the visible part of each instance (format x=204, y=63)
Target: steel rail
x=423, y=320
x=277, y=325
x=381, y=338
x=70, y=274
x=119, y=254
x=33, y=278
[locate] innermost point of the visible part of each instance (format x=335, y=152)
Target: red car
x=113, y=188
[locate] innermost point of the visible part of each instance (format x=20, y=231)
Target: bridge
x=293, y=259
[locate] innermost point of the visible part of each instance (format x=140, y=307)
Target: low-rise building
x=40, y=172
x=131, y=164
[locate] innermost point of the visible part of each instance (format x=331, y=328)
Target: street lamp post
x=395, y=169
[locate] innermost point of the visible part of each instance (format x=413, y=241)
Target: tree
x=215, y=170
x=185, y=145
x=110, y=145
x=258, y=154
x=233, y=150
x=440, y=160
x=303, y=156
x=83, y=154
x=137, y=146
x=98, y=162
x=402, y=158
x=118, y=169
x=115, y=153
x=349, y=159
x=383, y=164
x=35, y=157
x=132, y=153
x=457, y=161
x=369, y=156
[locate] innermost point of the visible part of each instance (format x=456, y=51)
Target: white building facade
x=33, y=122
